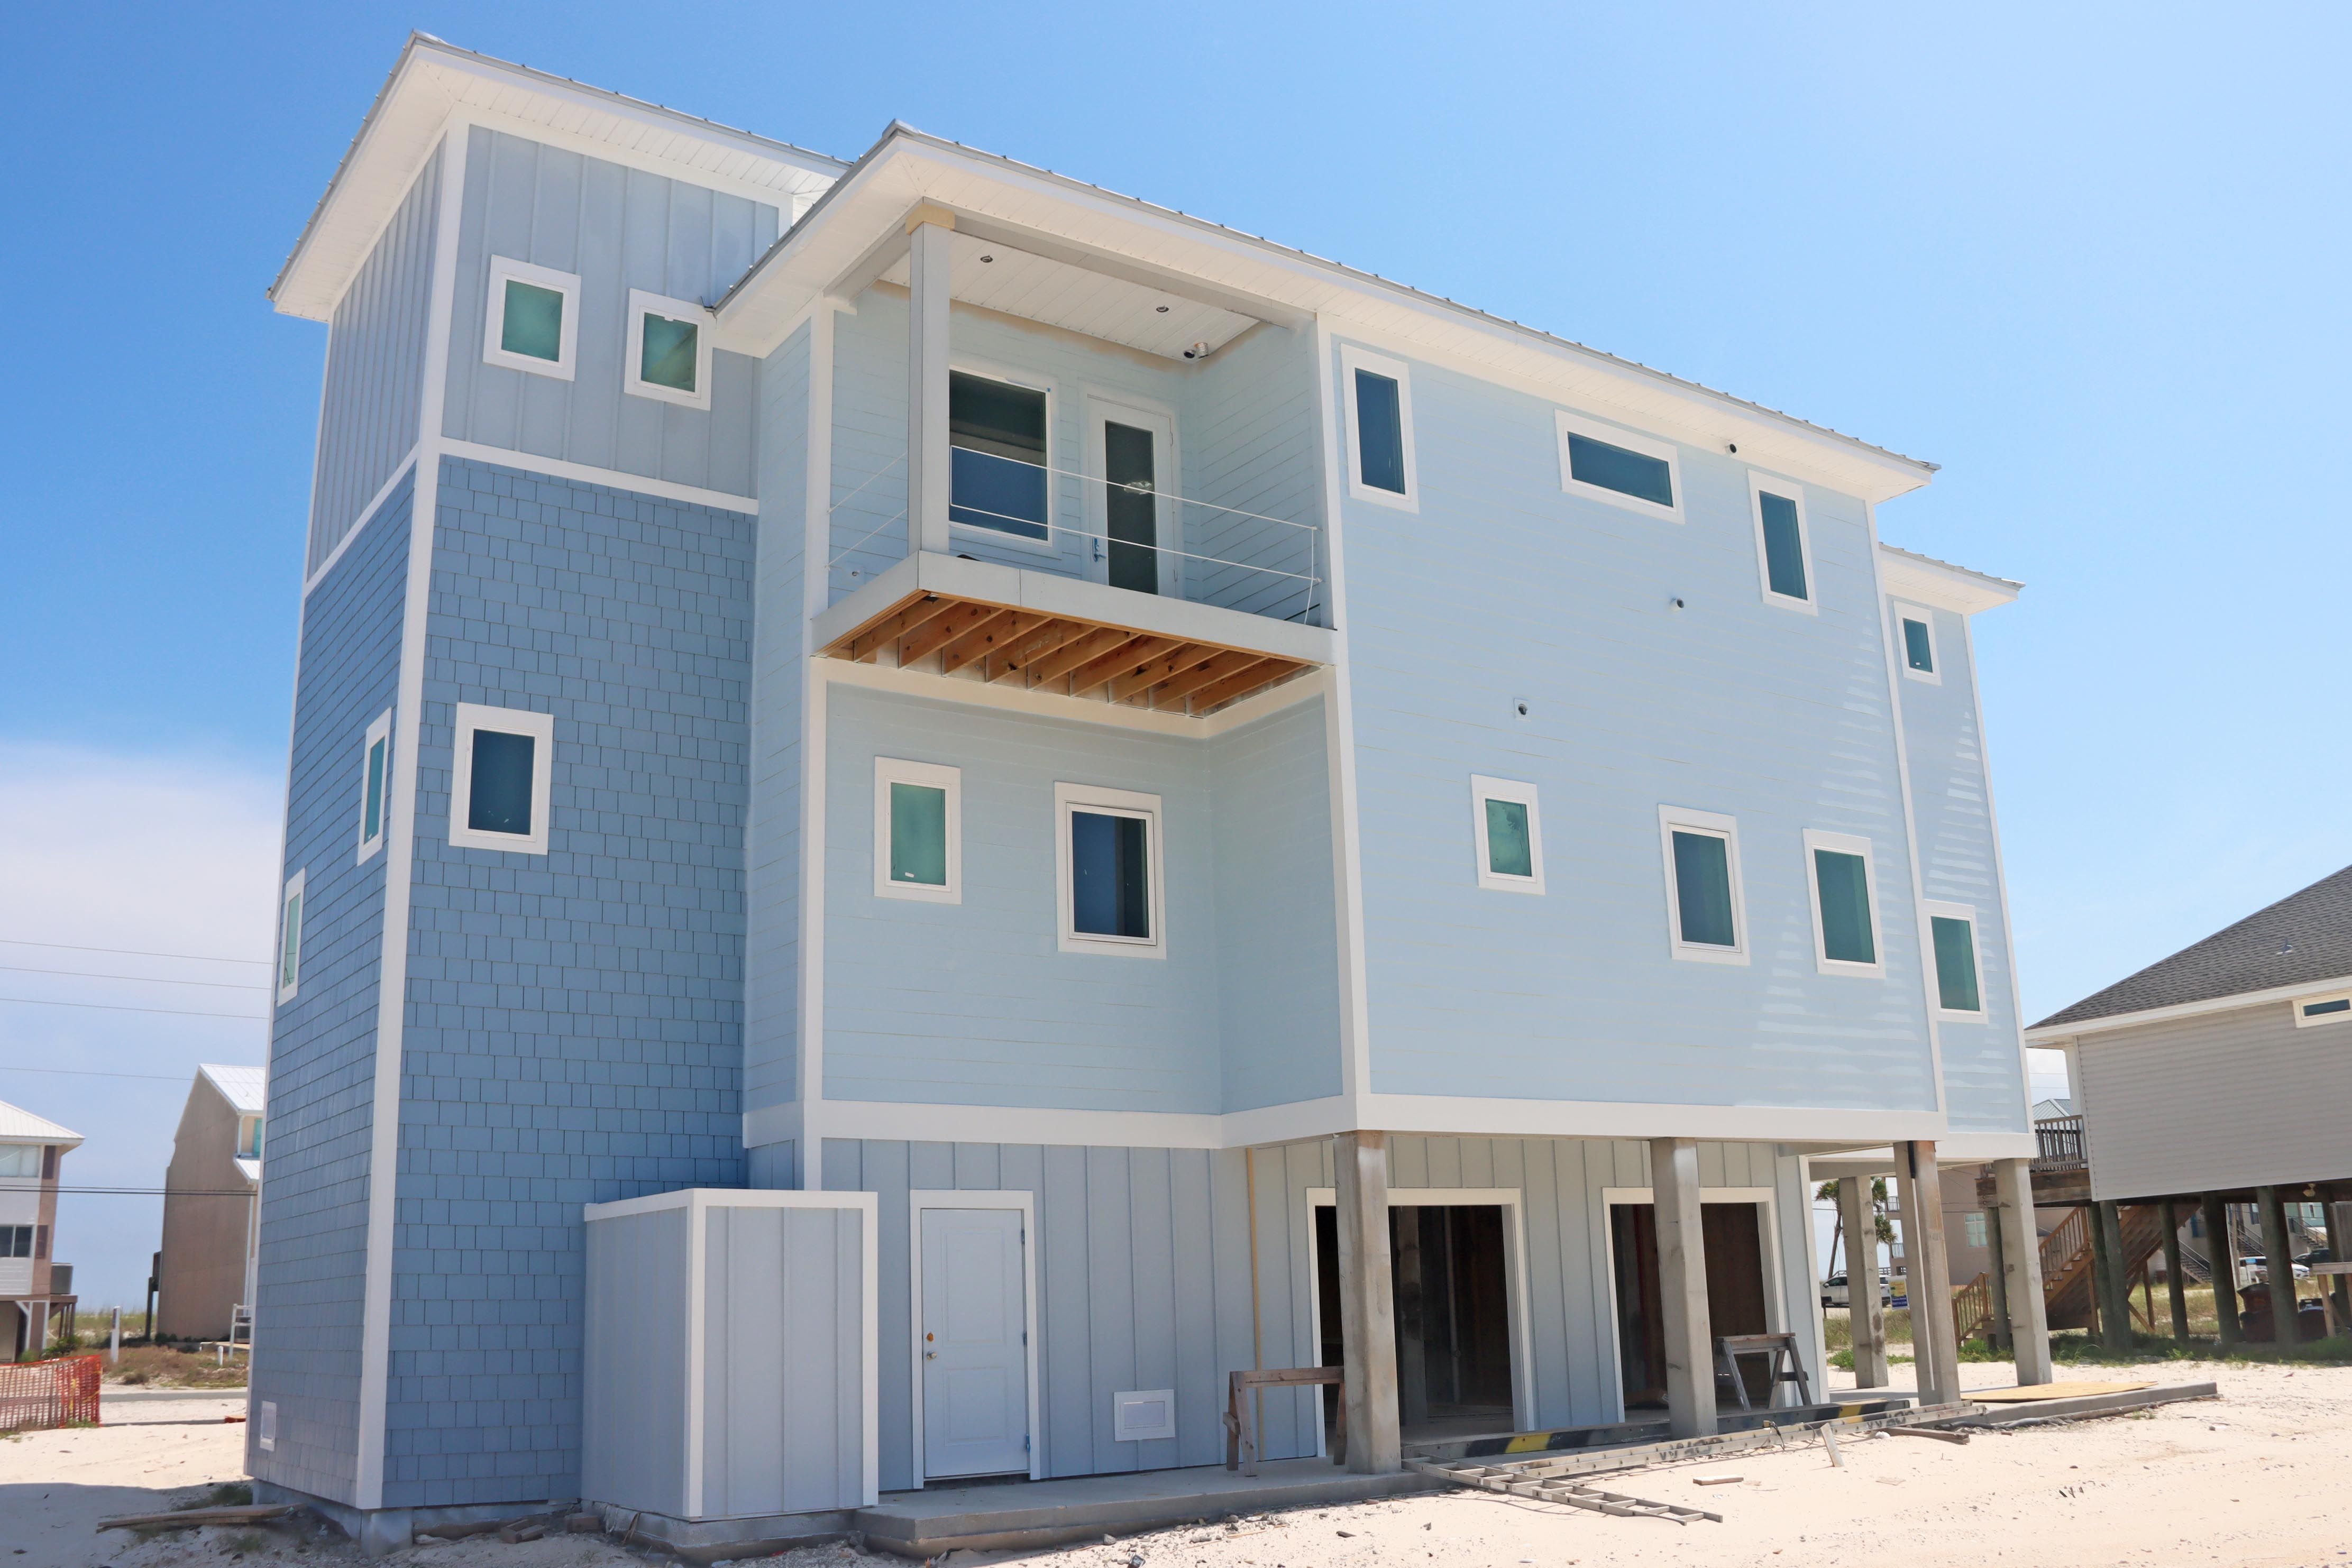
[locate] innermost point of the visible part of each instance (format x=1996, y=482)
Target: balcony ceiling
x=1059, y=294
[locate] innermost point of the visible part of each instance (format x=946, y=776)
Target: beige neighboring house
x=209, y=1239
x=35, y=1289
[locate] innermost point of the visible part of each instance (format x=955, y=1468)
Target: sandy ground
x=2260, y=1478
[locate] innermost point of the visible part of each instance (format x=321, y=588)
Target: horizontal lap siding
x=868, y=526
x=1249, y=445
x=617, y=229
x=574, y=1018
x=322, y=1048
x=1984, y=1063
x=1505, y=588
x=369, y=410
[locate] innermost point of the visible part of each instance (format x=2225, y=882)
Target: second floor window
x=248, y=1138
x=15, y=1241
x=1109, y=858
x=996, y=437
x=1607, y=464
x=1703, y=892
x=1952, y=931
x=1509, y=834
x=1845, y=931
x=20, y=1159
x=666, y=355
x=917, y=831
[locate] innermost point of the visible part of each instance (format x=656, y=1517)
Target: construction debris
x=251, y=1514
x=1927, y=1432
x=1716, y=1480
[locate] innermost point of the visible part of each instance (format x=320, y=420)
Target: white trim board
x=584, y=474
x=917, y=1200
x=366, y=516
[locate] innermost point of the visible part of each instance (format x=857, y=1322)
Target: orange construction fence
x=35, y=1394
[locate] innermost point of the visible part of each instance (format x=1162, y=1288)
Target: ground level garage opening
x=1449, y=1267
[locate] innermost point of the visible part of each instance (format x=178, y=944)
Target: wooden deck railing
x=2061, y=1144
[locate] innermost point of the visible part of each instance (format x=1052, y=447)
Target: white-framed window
x=375, y=784
x=1915, y=643
x=917, y=831
x=1841, y=874
x=999, y=454
x=290, y=940
x=2312, y=1011
x=1784, y=543
x=666, y=355
x=1608, y=463
x=531, y=319
x=1973, y=1227
x=1509, y=833
x=265, y=1429
x=1108, y=864
x=1952, y=943
x=1706, y=919
x=504, y=769
x=248, y=1138
x=1379, y=458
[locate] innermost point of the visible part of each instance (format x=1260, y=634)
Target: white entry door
x=975, y=1344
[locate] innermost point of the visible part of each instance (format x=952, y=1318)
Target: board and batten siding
x=369, y=410
x=617, y=229
x=1984, y=1062
x=322, y=1050
x=1504, y=589
x=2230, y=1100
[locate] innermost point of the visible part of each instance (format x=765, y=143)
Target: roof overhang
x=1926, y=581
x=2057, y=1034
x=853, y=234
x=434, y=81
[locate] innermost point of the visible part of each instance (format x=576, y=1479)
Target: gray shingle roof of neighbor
x=2305, y=938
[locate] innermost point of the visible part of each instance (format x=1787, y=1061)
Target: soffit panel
x=1001, y=278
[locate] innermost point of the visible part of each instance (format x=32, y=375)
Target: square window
x=1704, y=897
x=1845, y=927
x=503, y=771
x=531, y=318
x=1916, y=631
x=1508, y=831
x=666, y=355
x=1379, y=392
x=1783, y=552
x=1108, y=858
x=997, y=456
x=290, y=940
x=2314, y=1010
x=375, y=783
x=1607, y=464
x=917, y=831
x=1952, y=932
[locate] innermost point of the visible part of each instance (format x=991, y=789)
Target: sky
x=2088, y=259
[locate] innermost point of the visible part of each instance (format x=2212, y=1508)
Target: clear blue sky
x=2090, y=259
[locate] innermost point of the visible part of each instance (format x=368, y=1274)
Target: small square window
x=1916, y=633
x=1952, y=932
x=1109, y=862
x=667, y=353
x=248, y=1138
x=503, y=770
x=917, y=831
x=1607, y=464
x=2311, y=1011
x=375, y=784
x=1845, y=927
x=1704, y=899
x=1379, y=428
x=290, y=940
x=1783, y=552
x=1508, y=831
x=531, y=318
x=997, y=467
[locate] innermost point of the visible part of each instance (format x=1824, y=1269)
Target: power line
x=117, y=1008
x=94, y=1072
x=129, y=952
x=145, y=979
x=149, y=1191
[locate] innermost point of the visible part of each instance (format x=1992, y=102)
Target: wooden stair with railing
x=2069, y=1293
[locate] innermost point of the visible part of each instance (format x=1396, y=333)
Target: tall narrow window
x=1703, y=891
x=1782, y=541
x=1509, y=835
x=248, y=1138
x=290, y=940
x=668, y=351
x=1607, y=464
x=997, y=469
x=1917, y=628
x=531, y=318
x=1952, y=932
x=1379, y=423
x=375, y=780
x=503, y=772
x=1110, y=859
x=917, y=831
x=1845, y=929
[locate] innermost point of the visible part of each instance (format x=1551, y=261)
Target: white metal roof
x=18, y=1126
x=247, y=1088
x=1910, y=575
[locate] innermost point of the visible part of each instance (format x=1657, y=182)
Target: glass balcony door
x=1130, y=471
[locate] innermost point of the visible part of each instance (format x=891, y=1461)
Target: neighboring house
x=1023, y=722
x=36, y=1299
x=211, y=1238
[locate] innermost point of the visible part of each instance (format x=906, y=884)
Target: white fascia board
x=907, y=167
x=729, y=1197
x=2051, y=1036
x=1926, y=581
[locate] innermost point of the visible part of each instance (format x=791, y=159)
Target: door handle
x=931, y=1355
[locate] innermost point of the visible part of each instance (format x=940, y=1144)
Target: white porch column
x=1367, y=1306
x=927, y=473
x=1682, y=1287
x=2021, y=1257
x=1858, y=1217
x=1933, y=1342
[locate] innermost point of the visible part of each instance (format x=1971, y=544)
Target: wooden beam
x=1368, y=1397
x=892, y=624
x=1184, y=657
x=1169, y=695
x=967, y=616
x=1255, y=678
x=996, y=635
x=1119, y=664
x=1046, y=641
x=1077, y=652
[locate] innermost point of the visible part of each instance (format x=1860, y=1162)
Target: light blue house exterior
x=708, y=767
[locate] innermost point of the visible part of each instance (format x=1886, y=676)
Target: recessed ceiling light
x=1161, y=308
x=988, y=258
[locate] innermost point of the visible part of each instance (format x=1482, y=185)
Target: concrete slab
x=938, y=1520
x=1621, y=1434
x=2076, y=1409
